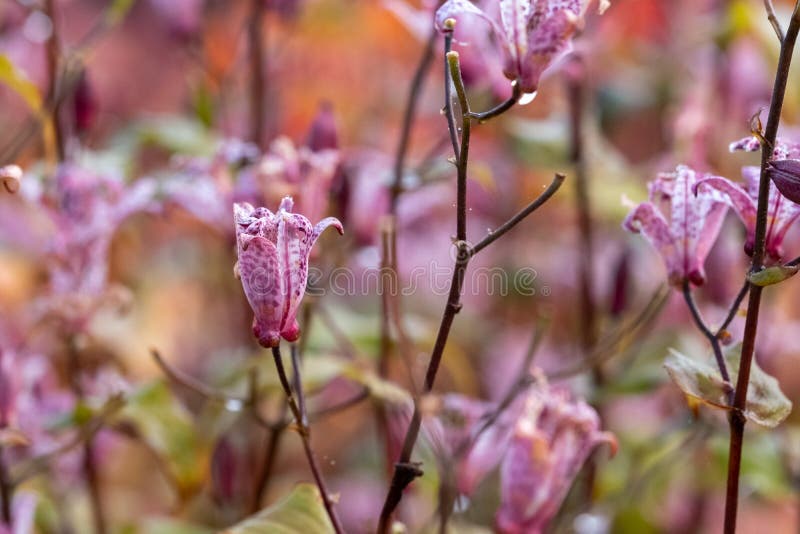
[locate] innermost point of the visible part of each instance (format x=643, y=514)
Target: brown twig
x=301, y=418
x=773, y=19
x=53, y=59
x=255, y=41
x=6, y=492
x=405, y=471
x=736, y=415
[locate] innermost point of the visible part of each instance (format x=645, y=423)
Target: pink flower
x=458, y=428
x=273, y=251
x=23, y=514
x=551, y=440
x=781, y=212
x=681, y=225
x=533, y=34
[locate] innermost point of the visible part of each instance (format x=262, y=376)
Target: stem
x=90, y=468
x=301, y=419
x=53, y=57
x=93, y=480
x=255, y=39
x=267, y=467
x=734, y=308
x=448, y=96
x=408, y=119
x=710, y=336
x=500, y=108
x=558, y=180
x=6, y=491
x=736, y=417
x=404, y=471
x=773, y=20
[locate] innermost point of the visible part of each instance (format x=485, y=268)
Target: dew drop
x=526, y=99
x=234, y=405
x=489, y=231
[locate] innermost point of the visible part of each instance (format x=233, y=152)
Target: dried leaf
x=301, y=512
x=766, y=404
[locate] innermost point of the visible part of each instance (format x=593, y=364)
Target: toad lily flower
x=780, y=215
x=273, y=251
x=533, y=33
x=784, y=169
x=551, y=440
x=681, y=225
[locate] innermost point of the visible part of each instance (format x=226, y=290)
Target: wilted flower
x=551, y=440
x=462, y=432
x=781, y=212
x=273, y=251
x=681, y=225
x=533, y=34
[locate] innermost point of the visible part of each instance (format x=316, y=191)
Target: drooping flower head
x=551, y=440
x=273, y=251
x=463, y=434
x=681, y=225
x=533, y=34
x=781, y=212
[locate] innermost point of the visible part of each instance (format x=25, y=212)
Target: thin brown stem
x=734, y=309
x=712, y=338
x=301, y=419
x=558, y=180
x=404, y=470
x=258, y=84
x=424, y=65
x=53, y=60
x=273, y=441
x=6, y=491
x=736, y=416
x=773, y=19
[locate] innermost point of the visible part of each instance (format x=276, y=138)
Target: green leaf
x=117, y=11
x=302, y=512
x=380, y=389
x=766, y=404
x=172, y=526
x=168, y=428
x=772, y=275
x=19, y=82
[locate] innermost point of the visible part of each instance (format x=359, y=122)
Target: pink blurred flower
x=681, y=225
x=23, y=514
x=462, y=434
x=551, y=440
x=781, y=212
x=533, y=34
x=299, y=172
x=273, y=251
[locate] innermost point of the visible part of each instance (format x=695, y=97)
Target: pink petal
x=294, y=236
x=260, y=275
x=742, y=202
x=646, y=219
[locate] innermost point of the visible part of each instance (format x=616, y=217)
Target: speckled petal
x=294, y=236
x=258, y=268
x=742, y=202
x=646, y=219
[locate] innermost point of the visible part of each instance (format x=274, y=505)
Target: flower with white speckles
x=273, y=251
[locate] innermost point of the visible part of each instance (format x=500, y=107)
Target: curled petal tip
x=611, y=440
x=286, y=204
x=11, y=176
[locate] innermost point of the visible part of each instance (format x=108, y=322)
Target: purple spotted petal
x=786, y=176
x=742, y=202
x=548, y=42
x=648, y=221
x=551, y=441
x=260, y=275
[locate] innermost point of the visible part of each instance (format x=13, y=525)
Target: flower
x=273, y=251
x=681, y=225
x=461, y=432
x=781, y=212
x=533, y=34
x=551, y=440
